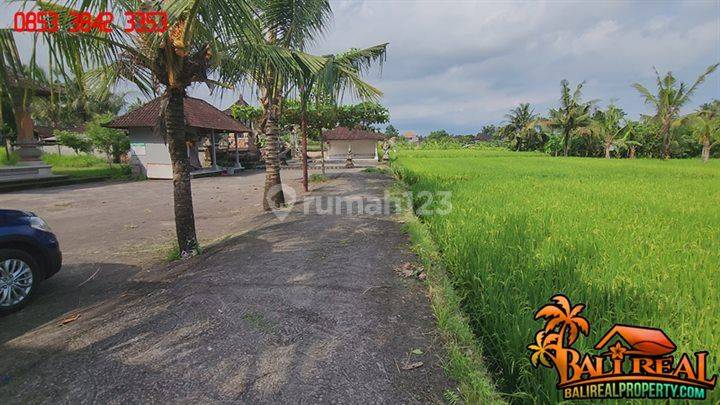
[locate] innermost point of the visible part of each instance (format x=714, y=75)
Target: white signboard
x=138, y=149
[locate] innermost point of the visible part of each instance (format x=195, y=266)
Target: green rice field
x=636, y=241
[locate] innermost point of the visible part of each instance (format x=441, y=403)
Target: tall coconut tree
x=572, y=115
x=608, y=127
x=340, y=73
x=289, y=26
x=670, y=98
x=193, y=49
x=520, y=127
x=706, y=126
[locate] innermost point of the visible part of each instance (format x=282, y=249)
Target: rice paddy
x=636, y=241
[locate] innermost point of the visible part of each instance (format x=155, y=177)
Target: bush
x=113, y=142
x=4, y=161
x=74, y=141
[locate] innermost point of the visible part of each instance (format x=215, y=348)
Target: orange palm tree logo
x=563, y=315
x=553, y=343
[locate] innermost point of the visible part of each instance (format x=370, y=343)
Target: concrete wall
x=149, y=155
x=361, y=149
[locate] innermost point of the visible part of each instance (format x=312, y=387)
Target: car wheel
x=19, y=277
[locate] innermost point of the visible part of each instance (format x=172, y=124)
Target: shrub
x=74, y=141
x=113, y=142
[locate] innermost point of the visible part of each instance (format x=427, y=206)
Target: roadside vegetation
x=464, y=361
x=633, y=240
x=85, y=165
x=8, y=159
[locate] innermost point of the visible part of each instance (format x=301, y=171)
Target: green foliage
x=464, y=361
x=634, y=240
x=113, y=142
x=573, y=114
x=438, y=135
x=84, y=160
x=84, y=165
x=391, y=131
x=246, y=113
x=317, y=178
x=8, y=159
x=73, y=140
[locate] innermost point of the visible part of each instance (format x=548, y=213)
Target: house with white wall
x=363, y=143
x=149, y=153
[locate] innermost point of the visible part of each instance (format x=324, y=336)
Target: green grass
x=636, y=241
x=317, y=178
x=464, y=362
x=84, y=165
x=14, y=158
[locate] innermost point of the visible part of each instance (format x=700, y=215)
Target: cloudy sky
x=459, y=65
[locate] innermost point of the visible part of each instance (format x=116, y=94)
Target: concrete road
x=304, y=310
x=113, y=233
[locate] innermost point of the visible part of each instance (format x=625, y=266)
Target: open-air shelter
x=149, y=153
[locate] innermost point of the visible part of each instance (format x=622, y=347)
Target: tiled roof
x=347, y=134
x=198, y=114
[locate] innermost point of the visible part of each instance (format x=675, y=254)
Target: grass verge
x=84, y=165
x=464, y=361
x=4, y=161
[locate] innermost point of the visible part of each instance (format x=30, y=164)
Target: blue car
x=29, y=253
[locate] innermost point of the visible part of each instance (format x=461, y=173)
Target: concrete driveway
x=110, y=233
x=305, y=310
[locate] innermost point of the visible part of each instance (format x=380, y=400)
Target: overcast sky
x=459, y=65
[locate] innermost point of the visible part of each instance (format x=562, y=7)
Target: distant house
x=362, y=142
x=411, y=137
x=149, y=153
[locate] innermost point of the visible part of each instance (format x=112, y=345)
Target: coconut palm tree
x=706, y=125
x=671, y=96
x=289, y=27
x=340, y=73
x=194, y=49
x=561, y=314
x=572, y=115
x=607, y=125
x=520, y=127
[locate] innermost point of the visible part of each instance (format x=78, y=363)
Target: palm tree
x=670, y=97
x=561, y=314
x=706, y=125
x=630, y=138
x=541, y=350
x=289, y=27
x=341, y=72
x=607, y=126
x=572, y=114
x=521, y=122
x=194, y=47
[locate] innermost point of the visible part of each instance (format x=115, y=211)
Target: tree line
x=221, y=43
x=578, y=127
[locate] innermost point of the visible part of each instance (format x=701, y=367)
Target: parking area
x=110, y=233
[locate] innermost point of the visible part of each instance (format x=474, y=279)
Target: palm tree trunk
x=322, y=151
x=566, y=143
x=666, y=139
x=632, y=152
x=272, y=196
x=607, y=150
x=706, y=150
x=182, y=192
x=303, y=130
